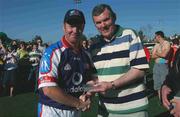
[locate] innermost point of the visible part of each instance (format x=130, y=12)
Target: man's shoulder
x=130, y=31
x=95, y=40
x=54, y=46
x=167, y=43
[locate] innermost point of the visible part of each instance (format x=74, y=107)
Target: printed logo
x=77, y=58
x=77, y=78
x=67, y=67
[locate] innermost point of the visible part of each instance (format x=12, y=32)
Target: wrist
x=77, y=106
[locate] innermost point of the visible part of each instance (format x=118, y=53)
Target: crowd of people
x=17, y=59
x=113, y=65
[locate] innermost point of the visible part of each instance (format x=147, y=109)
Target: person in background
x=14, y=45
x=22, y=52
x=159, y=54
x=2, y=54
x=64, y=70
x=85, y=44
x=34, y=58
x=39, y=41
x=170, y=89
x=10, y=69
x=174, y=47
x=120, y=60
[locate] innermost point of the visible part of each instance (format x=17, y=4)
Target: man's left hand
x=176, y=110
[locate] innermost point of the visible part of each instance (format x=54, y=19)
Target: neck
x=75, y=46
x=113, y=34
x=161, y=41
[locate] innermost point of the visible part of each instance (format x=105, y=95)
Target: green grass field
x=25, y=105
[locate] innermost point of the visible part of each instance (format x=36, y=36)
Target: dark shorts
x=9, y=77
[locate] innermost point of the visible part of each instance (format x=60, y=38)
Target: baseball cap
x=74, y=16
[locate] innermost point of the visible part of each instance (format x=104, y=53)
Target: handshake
x=89, y=90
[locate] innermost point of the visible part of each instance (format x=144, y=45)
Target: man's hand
x=101, y=87
x=176, y=110
x=165, y=92
x=84, y=102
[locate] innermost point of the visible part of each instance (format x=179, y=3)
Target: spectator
x=2, y=54
x=22, y=53
x=85, y=44
x=64, y=69
x=10, y=68
x=171, y=88
x=39, y=41
x=120, y=60
x=159, y=53
x=174, y=46
x=34, y=58
x=14, y=45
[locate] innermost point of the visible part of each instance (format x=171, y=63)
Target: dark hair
x=34, y=43
x=160, y=33
x=37, y=37
x=22, y=43
x=98, y=9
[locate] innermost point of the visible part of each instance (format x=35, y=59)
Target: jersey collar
x=65, y=42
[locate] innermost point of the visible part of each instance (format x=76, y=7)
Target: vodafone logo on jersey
x=77, y=78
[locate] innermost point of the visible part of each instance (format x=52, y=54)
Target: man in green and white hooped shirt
x=34, y=58
x=121, y=62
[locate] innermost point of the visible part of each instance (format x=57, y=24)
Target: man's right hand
x=84, y=103
x=165, y=92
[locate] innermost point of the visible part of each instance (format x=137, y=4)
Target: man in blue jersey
x=120, y=61
x=64, y=69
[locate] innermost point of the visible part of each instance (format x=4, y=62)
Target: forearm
x=154, y=56
x=131, y=76
x=58, y=95
x=162, y=55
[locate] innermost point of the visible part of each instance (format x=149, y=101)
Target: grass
x=25, y=105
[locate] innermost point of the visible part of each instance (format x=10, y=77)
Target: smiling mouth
x=105, y=31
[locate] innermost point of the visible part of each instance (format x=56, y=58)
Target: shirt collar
x=65, y=42
x=117, y=33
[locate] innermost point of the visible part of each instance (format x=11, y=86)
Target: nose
x=103, y=24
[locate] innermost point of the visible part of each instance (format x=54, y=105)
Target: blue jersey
x=62, y=67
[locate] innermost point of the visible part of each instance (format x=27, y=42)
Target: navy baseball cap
x=74, y=16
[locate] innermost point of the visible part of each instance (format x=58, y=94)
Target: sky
x=23, y=19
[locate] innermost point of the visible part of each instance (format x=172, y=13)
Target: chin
x=106, y=35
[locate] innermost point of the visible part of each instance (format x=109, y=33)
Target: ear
x=82, y=28
x=114, y=17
